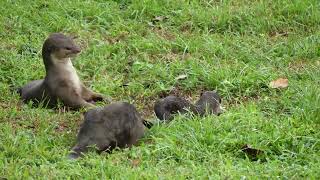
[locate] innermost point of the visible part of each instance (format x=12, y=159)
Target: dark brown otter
x=208, y=103
x=116, y=125
x=61, y=81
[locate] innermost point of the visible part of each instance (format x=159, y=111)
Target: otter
x=116, y=125
x=166, y=108
x=208, y=103
x=61, y=81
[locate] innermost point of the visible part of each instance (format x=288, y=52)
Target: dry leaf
x=151, y=24
x=159, y=18
x=279, y=83
x=61, y=127
x=135, y=162
x=182, y=76
x=252, y=153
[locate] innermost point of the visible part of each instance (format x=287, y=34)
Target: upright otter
x=61, y=81
x=116, y=125
x=209, y=102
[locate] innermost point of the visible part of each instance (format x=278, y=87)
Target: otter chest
x=71, y=76
x=62, y=74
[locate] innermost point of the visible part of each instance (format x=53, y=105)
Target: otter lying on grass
x=208, y=103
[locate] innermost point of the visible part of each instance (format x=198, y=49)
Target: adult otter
x=209, y=102
x=116, y=125
x=61, y=81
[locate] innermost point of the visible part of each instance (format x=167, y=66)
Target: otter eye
x=68, y=48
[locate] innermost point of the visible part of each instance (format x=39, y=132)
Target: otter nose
x=76, y=50
x=220, y=111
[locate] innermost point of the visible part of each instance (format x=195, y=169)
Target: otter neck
x=47, y=61
x=62, y=62
x=51, y=62
x=63, y=70
x=200, y=107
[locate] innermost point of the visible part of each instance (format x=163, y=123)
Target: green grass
x=234, y=46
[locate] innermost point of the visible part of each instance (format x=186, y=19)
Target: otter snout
x=76, y=50
x=219, y=110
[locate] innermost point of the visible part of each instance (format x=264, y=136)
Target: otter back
x=116, y=125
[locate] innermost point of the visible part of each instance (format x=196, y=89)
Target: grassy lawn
x=134, y=51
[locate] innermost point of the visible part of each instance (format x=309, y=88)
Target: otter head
x=212, y=101
x=58, y=47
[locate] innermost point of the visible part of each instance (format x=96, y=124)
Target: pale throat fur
x=65, y=66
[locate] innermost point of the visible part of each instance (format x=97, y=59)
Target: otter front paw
x=89, y=105
x=100, y=97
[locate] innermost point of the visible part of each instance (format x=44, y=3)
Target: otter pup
x=61, y=81
x=166, y=108
x=209, y=102
x=117, y=125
